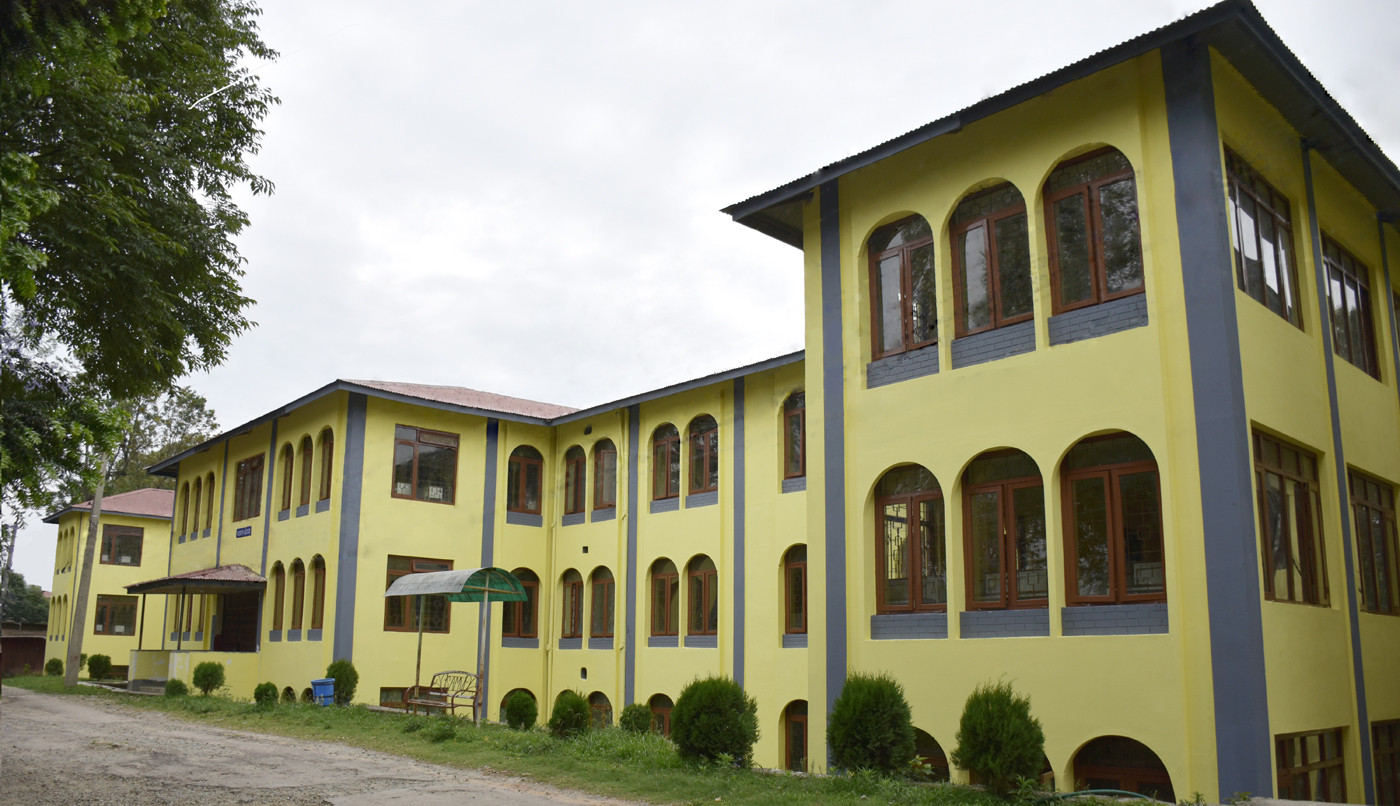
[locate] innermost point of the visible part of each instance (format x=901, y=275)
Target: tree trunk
x=75, y=633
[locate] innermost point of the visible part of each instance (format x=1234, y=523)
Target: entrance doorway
x=238, y=623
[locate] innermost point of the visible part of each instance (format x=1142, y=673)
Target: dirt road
x=72, y=750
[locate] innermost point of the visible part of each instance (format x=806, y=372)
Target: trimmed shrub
x=175, y=687
x=265, y=694
x=570, y=716
x=346, y=679
x=998, y=739
x=99, y=666
x=870, y=726
x=521, y=711
x=208, y=676
x=636, y=718
x=53, y=667
x=713, y=717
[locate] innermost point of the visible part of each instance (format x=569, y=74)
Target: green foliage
x=99, y=666
x=24, y=603
x=346, y=680
x=53, y=667
x=175, y=687
x=154, y=427
x=521, y=711
x=265, y=693
x=440, y=728
x=998, y=739
x=208, y=676
x=714, y=716
x=871, y=726
x=82, y=660
x=635, y=718
x=570, y=716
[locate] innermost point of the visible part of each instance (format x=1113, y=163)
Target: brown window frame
x=792, y=718
x=1009, y=597
x=913, y=502
x=298, y=592
x=327, y=464
x=708, y=579
x=795, y=414
x=1342, y=266
x=571, y=601
x=575, y=480
x=318, y=592
x=518, y=480
x=197, y=495
x=445, y=441
x=1330, y=769
x=279, y=595
x=906, y=290
x=668, y=447
x=512, y=618
x=604, y=495
x=1317, y=589
x=1268, y=203
x=793, y=567
x=1117, y=548
x=111, y=543
x=1093, y=218
x=669, y=581
x=704, y=454
x=1373, y=508
x=660, y=714
x=602, y=591
x=308, y=452
x=416, y=565
x=105, y=617
x=185, y=508
x=247, y=488
x=1385, y=757
x=288, y=470
x=600, y=713
x=987, y=222
x=209, y=511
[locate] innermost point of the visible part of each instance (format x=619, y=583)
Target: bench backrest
x=455, y=682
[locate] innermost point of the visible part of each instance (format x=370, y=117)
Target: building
x=1102, y=383
x=133, y=546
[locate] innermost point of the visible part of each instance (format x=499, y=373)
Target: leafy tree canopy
x=24, y=603
x=157, y=427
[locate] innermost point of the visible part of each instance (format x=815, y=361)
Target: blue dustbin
x=323, y=690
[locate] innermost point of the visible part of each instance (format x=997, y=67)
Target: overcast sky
x=524, y=197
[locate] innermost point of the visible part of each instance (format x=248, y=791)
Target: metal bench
x=447, y=692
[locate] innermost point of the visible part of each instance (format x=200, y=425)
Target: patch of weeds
x=440, y=729
x=414, y=724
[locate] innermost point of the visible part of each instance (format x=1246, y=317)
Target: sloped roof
x=219, y=579
x=144, y=503
x=469, y=398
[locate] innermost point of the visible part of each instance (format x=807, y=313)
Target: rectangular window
x=518, y=618
x=1311, y=766
x=247, y=489
x=116, y=615
x=795, y=436
x=1385, y=750
x=1290, y=526
x=573, y=608
x=1373, y=502
x=1262, y=235
x=795, y=591
x=121, y=545
x=604, y=477
x=425, y=465
x=575, y=470
x=665, y=599
x=401, y=612
x=602, y=608
x=1349, y=300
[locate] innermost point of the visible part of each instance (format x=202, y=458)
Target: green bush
x=265, y=694
x=636, y=718
x=998, y=739
x=571, y=715
x=207, y=676
x=346, y=679
x=99, y=666
x=82, y=660
x=713, y=717
x=440, y=728
x=870, y=726
x=176, y=688
x=53, y=667
x=521, y=711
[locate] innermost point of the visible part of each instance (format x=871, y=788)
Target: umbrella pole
x=418, y=668
x=481, y=654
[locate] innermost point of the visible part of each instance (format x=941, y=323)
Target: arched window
x=573, y=605
x=196, y=495
x=991, y=260
x=795, y=590
x=665, y=598
x=209, y=510
x=902, y=287
x=795, y=435
x=327, y=462
x=601, y=709
x=660, y=706
x=298, y=592
x=704, y=454
x=702, y=596
x=307, y=452
x=795, y=736
x=289, y=695
x=911, y=564
x=287, y=461
x=1092, y=219
x=1117, y=762
x=575, y=480
x=518, y=619
x=185, y=508
x=1004, y=532
x=604, y=474
x=1113, y=522
x=318, y=592
x=601, y=612
x=279, y=590
x=665, y=462
x=523, y=480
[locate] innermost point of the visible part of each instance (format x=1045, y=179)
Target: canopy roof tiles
x=145, y=503
x=220, y=579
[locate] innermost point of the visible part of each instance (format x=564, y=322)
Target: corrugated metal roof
x=145, y=503
x=469, y=398
x=219, y=579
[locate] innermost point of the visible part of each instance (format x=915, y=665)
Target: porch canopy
x=218, y=581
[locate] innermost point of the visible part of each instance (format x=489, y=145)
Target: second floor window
x=604, y=475
x=902, y=287
x=575, y=479
x=425, y=465
x=795, y=435
x=287, y=467
x=1349, y=299
x=601, y=606
x=665, y=598
x=704, y=454
x=1262, y=231
x=665, y=462
x=572, y=626
x=306, y=453
x=327, y=462
x=1290, y=524
x=1113, y=522
x=1092, y=217
x=991, y=260
x=247, y=488
x=121, y=545
x=523, y=480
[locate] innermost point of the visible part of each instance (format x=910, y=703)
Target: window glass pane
x=925, y=313
x=1273, y=296
x=1354, y=325
x=1142, y=537
x=1072, y=250
x=659, y=470
x=977, y=302
x=796, y=599
x=794, y=444
x=1285, y=259
x=906, y=479
x=1247, y=216
x=896, y=554
x=403, y=470
x=659, y=600
x=1029, y=515
x=404, y=432
x=1121, y=245
x=933, y=564
x=1002, y=466
x=1341, y=342
x=1120, y=449
x=437, y=469
x=608, y=476
x=1014, y=266
x=985, y=509
x=890, y=308
x=696, y=600
x=532, y=487
x=1091, y=536
x=711, y=614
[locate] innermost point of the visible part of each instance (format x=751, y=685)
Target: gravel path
x=77, y=750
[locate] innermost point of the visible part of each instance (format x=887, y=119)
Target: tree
x=24, y=603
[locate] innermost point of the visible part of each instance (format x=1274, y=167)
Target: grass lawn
x=606, y=762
